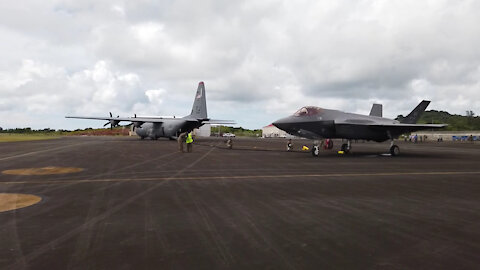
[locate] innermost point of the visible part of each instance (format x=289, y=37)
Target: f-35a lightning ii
x=317, y=123
x=156, y=127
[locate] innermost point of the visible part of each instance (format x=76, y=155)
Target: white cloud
x=147, y=32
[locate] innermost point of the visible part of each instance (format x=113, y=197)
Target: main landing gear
x=347, y=147
x=394, y=149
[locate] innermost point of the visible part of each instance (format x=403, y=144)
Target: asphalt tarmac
x=123, y=203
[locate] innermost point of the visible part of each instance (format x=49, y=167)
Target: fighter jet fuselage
x=318, y=123
x=324, y=123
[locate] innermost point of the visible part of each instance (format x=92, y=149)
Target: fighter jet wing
x=373, y=123
x=423, y=126
x=397, y=128
x=406, y=127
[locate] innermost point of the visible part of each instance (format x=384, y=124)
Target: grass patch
x=25, y=137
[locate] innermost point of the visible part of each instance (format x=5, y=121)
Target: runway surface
x=123, y=203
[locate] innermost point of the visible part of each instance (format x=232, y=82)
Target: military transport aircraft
x=156, y=127
x=317, y=123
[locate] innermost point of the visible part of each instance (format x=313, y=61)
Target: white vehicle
x=228, y=135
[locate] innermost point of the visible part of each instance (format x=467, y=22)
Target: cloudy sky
x=260, y=60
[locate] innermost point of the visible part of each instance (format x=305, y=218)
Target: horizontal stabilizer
x=377, y=110
x=219, y=122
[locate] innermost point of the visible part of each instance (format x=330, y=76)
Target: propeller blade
x=111, y=114
x=106, y=124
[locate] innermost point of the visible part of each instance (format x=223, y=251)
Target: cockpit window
x=308, y=111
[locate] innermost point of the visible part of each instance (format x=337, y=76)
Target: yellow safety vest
x=189, y=138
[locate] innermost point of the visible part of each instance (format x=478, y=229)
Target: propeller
x=113, y=123
x=135, y=124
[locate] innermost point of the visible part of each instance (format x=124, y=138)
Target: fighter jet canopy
x=308, y=111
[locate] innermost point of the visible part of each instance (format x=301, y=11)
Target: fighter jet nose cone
x=281, y=123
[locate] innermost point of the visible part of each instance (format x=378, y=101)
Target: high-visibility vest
x=189, y=138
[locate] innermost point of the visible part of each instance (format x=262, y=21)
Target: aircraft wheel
x=344, y=148
x=395, y=150
x=315, y=151
x=141, y=138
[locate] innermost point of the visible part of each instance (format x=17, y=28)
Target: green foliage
x=237, y=131
x=53, y=132
x=12, y=137
x=455, y=122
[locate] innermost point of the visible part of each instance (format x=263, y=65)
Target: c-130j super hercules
x=317, y=123
x=156, y=127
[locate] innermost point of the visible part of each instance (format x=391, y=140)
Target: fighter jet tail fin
x=199, y=109
x=376, y=110
x=413, y=117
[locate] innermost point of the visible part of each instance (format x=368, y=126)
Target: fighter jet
x=317, y=123
x=156, y=127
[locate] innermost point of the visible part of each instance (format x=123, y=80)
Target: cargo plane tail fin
x=199, y=109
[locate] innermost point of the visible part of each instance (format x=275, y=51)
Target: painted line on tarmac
x=40, y=151
x=234, y=177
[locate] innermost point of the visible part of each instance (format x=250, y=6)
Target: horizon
x=259, y=61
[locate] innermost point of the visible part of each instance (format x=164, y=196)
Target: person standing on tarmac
x=289, y=145
x=181, y=140
x=189, y=142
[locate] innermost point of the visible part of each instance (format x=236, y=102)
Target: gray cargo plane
x=317, y=123
x=156, y=127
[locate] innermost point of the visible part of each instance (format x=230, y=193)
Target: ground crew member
x=289, y=145
x=189, y=142
x=181, y=140
x=229, y=143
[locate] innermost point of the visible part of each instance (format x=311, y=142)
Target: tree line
x=455, y=122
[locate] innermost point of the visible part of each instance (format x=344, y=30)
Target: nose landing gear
x=327, y=145
x=315, y=150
